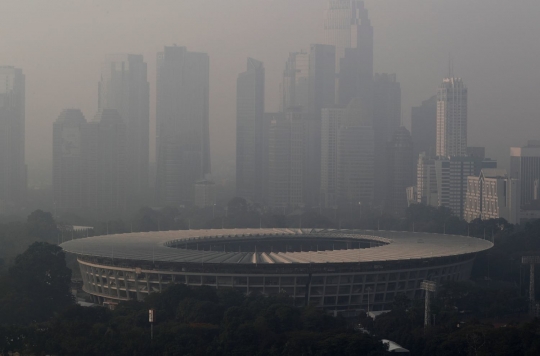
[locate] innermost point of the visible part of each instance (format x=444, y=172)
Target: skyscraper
x=322, y=84
x=332, y=120
x=183, y=145
x=347, y=25
x=525, y=167
x=451, y=118
x=286, y=161
x=249, y=131
x=321, y=95
x=295, y=84
x=348, y=28
x=105, y=157
x=124, y=87
x=386, y=120
x=355, y=165
x=12, y=136
x=69, y=174
x=424, y=127
x=400, y=171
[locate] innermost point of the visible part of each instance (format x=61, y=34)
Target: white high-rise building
x=451, y=118
x=525, y=167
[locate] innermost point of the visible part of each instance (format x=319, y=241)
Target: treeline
x=192, y=321
x=467, y=319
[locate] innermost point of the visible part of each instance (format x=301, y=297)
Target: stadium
x=338, y=270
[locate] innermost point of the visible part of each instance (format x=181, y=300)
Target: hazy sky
x=60, y=45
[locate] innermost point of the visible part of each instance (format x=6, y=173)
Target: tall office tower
x=424, y=127
x=426, y=181
x=104, y=146
x=286, y=161
x=183, y=144
x=355, y=166
x=268, y=119
x=347, y=25
x=525, y=167
x=332, y=120
x=400, y=171
x=321, y=94
x=322, y=84
x=249, y=131
x=295, y=84
x=12, y=136
x=69, y=175
x=451, y=118
x=386, y=119
x=124, y=87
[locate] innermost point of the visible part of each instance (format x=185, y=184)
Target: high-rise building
x=249, y=131
x=322, y=84
x=355, y=165
x=183, y=145
x=69, y=171
x=104, y=149
x=124, y=87
x=399, y=172
x=332, y=120
x=451, y=118
x=525, y=167
x=13, y=175
x=286, y=161
x=321, y=94
x=426, y=181
x=492, y=195
x=424, y=127
x=347, y=25
x=386, y=120
x=295, y=84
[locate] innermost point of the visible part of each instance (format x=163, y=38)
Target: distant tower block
x=531, y=261
x=429, y=287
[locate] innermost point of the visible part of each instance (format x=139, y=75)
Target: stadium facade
x=338, y=270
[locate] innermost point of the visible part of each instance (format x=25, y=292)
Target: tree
x=40, y=274
x=42, y=226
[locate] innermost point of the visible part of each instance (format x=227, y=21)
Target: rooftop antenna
x=450, y=66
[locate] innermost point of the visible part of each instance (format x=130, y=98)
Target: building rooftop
x=183, y=246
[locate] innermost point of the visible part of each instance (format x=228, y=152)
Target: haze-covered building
x=69, y=162
x=399, y=172
x=424, y=127
x=124, y=87
x=286, y=161
x=355, y=164
x=250, y=131
x=451, y=118
x=525, y=167
x=105, y=159
x=182, y=116
x=492, y=195
x=13, y=176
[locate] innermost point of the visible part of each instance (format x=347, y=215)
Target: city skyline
x=406, y=50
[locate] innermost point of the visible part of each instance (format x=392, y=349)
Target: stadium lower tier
x=339, y=287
